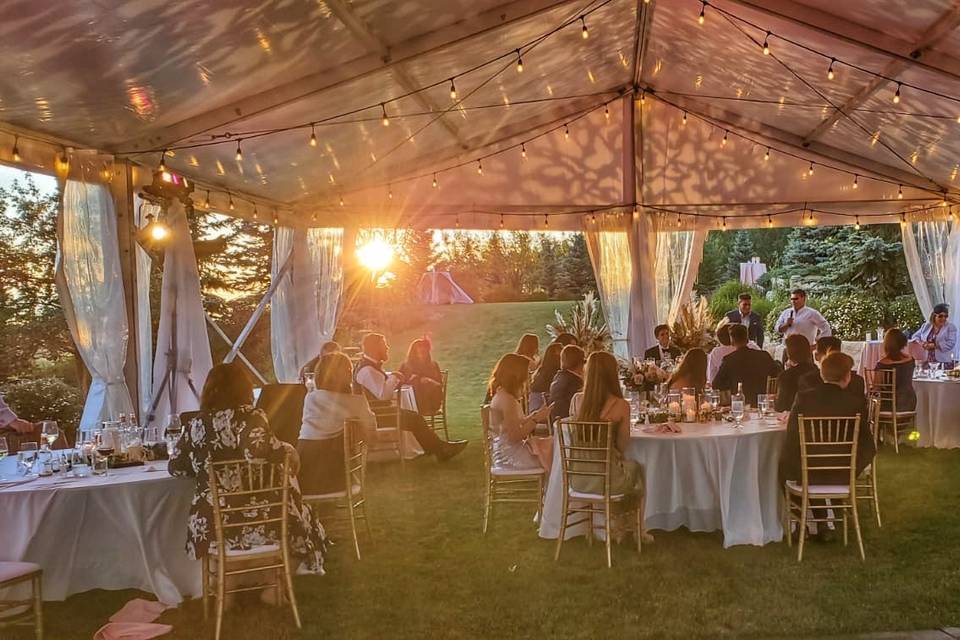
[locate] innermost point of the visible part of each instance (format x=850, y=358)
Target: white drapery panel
x=303, y=311
x=643, y=300
x=91, y=292
x=608, y=244
x=144, y=325
x=932, y=250
x=678, y=261
x=183, y=357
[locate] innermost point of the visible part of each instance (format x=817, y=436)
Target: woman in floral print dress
x=228, y=427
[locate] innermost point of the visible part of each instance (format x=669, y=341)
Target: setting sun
x=375, y=255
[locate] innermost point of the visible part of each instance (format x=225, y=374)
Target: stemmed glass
x=27, y=457
x=49, y=432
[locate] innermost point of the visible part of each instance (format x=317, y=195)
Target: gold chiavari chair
x=867, y=481
x=27, y=612
x=586, y=454
x=883, y=384
x=235, y=486
x=354, y=495
x=524, y=486
x=389, y=431
x=830, y=444
x=771, y=385
x=438, y=421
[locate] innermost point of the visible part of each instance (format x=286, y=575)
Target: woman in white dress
x=513, y=443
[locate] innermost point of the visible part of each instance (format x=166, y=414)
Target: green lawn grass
x=429, y=573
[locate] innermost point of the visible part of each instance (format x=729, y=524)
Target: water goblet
x=26, y=458
x=49, y=432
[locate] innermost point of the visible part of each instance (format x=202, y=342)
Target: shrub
x=46, y=399
x=853, y=315
x=904, y=312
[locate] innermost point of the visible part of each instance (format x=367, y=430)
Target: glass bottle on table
x=172, y=433
x=738, y=405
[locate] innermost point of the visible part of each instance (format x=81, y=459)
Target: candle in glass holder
x=688, y=401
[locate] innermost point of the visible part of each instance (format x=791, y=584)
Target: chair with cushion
x=882, y=383
x=234, y=485
x=867, y=481
x=353, y=496
x=27, y=612
x=586, y=454
x=827, y=444
x=524, y=486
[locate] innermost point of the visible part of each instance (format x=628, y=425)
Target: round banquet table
x=125, y=531
x=709, y=477
x=938, y=412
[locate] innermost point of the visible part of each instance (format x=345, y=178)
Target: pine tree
x=577, y=265
x=740, y=251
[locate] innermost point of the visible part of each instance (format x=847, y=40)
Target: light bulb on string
x=856, y=225
x=385, y=119
x=206, y=200
x=679, y=221
x=766, y=44
x=943, y=199
x=643, y=97
x=726, y=134
x=276, y=218
x=810, y=170
x=313, y=135
x=230, y=204
x=341, y=200
x=523, y=151
x=769, y=221
x=900, y=192
x=903, y=219
x=584, y=33
x=566, y=132
x=501, y=221
x=519, y=62
x=163, y=163
x=723, y=223
x=389, y=192
x=950, y=214
x=830, y=74
x=458, y=221
x=453, y=90
x=683, y=120
x=856, y=181
x=479, y=168
x=256, y=214
x=239, y=155
x=766, y=156
x=15, y=153
x=606, y=112
x=435, y=183
x=896, y=96
x=546, y=221
x=703, y=12
x=313, y=217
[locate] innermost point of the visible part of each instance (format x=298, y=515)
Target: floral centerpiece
x=636, y=374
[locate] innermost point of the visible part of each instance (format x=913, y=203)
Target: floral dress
x=233, y=434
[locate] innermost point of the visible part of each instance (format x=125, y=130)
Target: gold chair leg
x=488, y=505
x=845, y=543
x=38, y=605
x=641, y=509
x=563, y=526
x=221, y=587
x=205, y=586
x=787, y=517
x=608, y=514
x=353, y=523
x=803, y=527
x=896, y=436
x=876, y=498
x=856, y=529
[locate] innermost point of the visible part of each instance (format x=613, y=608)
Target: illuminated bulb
x=341, y=201
x=766, y=44
x=856, y=225
x=458, y=221
x=230, y=204
x=958, y=119
x=566, y=131
x=943, y=199
x=703, y=13
x=723, y=142
x=163, y=163
x=766, y=156
x=679, y=221
x=584, y=33
x=856, y=181
x=453, y=90
x=386, y=118
x=501, y=221
x=896, y=96
x=389, y=192
x=606, y=112
x=16, y=151
x=523, y=152
x=810, y=218
x=830, y=74
x=313, y=217
x=206, y=201
x=900, y=192
x=643, y=97
x=519, y=62
x=593, y=218
x=435, y=183
x=724, y=224
x=810, y=170
x=479, y=168
x=256, y=214
x=546, y=221
x=903, y=220
x=313, y=136
x=769, y=221
x=683, y=120
x=239, y=152
x=950, y=215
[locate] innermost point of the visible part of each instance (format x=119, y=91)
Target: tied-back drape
x=303, y=311
x=142, y=208
x=932, y=250
x=678, y=261
x=91, y=291
x=608, y=244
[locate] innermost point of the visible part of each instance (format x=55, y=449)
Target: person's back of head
x=894, y=342
x=329, y=347
x=227, y=386
x=510, y=374
x=739, y=336
x=572, y=358
x=372, y=343
x=334, y=373
x=551, y=358
x=827, y=344
x=566, y=339
x=836, y=367
x=798, y=349
x=723, y=335
x=693, y=369
x=601, y=383
x=529, y=345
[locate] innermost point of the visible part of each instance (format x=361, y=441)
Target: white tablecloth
x=709, y=477
x=938, y=413
x=750, y=272
x=121, y=532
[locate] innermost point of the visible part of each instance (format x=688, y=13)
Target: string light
x=679, y=221
x=830, y=74
x=683, y=120
x=703, y=12
x=239, y=152
x=766, y=44
x=723, y=222
x=386, y=118
x=896, y=96
x=230, y=204
x=606, y=112
x=856, y=181
x=769, y=221
x=453, y=90
x=458, y=221
x=163, y=164
x=723, y=142
x=856, y=225
x=643, y=97
x=519, y=62
x=16, y=150
x=479, y=168
x=313, y=135
x=950, y=214
x=523, y=151
x=313, y=217
x=566, y=132
x=584, y=33
x=766, y=156
x=903, y=219
x=341, y=200
x=435, y=183
x=276, y=218
x=900, y=192
x=501, y=221
x=390, y=192
x=546, y=221
x=256, y=213
x=810, y=170
x=943, y=199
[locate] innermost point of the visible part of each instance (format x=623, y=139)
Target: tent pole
x=251, y=323
x=216, y=328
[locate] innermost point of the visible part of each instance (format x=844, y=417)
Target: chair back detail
x=772, y=385
x=829, y=444
x=586, y=450
x=487, y=436
x=354, y=455
x=882, y=383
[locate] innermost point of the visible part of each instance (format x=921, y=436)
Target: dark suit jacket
x=564, y=386
x=856, y=387
x=749, y=366
x=755, y=329
x=788, y=383
x=654, y=353
x=825, y=400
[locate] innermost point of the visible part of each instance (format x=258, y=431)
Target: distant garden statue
x=694, y=326
x=586, y=323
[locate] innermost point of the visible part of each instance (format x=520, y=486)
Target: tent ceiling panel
x=903, y=20
x=399, y=21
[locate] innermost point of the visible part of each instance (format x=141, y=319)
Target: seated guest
x=825, y=346
x=567, y=382
x=566, y=339
x=692, y=372
x=327, y=347
x=721, y=351
x=903, y=364
x=423, y=374
x=602, y=401
x=663, y=350
x=529, y=346
x=827, y=399
x=321, y=435
x=380, y=388
x=513, y=443
x=15, y=430
x=938, y=337
x=746, y=366
x=745, y=315
x=799, y=365
x=540, y=387
x=228, y=427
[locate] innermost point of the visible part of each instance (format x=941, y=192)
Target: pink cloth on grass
x=135, y=622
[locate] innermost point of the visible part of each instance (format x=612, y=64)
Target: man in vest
x=380, y=388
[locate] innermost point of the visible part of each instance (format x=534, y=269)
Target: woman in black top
x=540, y=387
x=799, y=364
x=894, y=342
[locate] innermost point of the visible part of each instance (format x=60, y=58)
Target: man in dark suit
x=751, y=367
x=829, y=398
x=825, y=346
x=744, y=315
x=567, y=382
x=663, y=348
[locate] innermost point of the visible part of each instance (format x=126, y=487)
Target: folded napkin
x=135, y=622
x=663, y=427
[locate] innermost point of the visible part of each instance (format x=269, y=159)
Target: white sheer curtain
x=678, y=261
x=144, y=323
x=303, y=311
x=183, y=357
x=608, y=244
x=643, y=299
x=91, y=292
x=932, y=250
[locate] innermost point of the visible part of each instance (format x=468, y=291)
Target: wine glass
x=49, y=432
x=27, y=457
x=105, y=447
x=737, y=410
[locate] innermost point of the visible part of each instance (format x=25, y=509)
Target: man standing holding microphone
x=803, y=320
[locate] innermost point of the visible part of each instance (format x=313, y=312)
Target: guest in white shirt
x=801, y=319
x=321, y=434
x=380, y=388
x=722, y=350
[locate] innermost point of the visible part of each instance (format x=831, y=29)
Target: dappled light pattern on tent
x=438, y=287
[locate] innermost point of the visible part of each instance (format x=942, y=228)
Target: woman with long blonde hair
x=692, y=371
x=529, y=347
